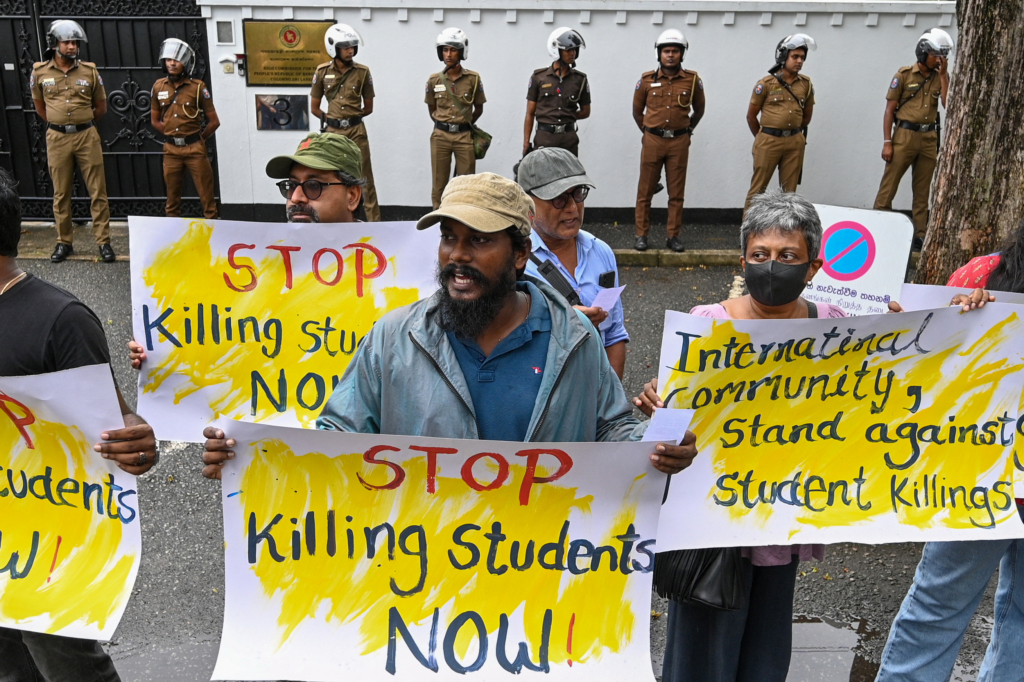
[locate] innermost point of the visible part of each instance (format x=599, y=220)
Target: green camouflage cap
x=321, y=151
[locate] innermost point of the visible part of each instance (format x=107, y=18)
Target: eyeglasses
x=578, y=194
x=311, y=188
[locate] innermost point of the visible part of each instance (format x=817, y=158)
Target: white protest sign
x=928, y=296
x=258, y=321
x=865, y=259
x=69, y=522
x=375, y=557
x=882, y=428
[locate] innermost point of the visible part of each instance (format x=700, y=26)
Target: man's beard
x=299, y=209
x=347, y=62
x=468, y=319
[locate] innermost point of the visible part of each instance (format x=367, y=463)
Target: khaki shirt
x=181, y=118
x=345, y=91
x=668, y=99
x=70, y=96
x=778, y=108
x=467, y=88
x=918, y=97
x=558, y=99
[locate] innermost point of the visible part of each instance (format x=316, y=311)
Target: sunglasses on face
x=311, y=188
x=579, y=195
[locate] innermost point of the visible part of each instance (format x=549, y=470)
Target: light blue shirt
x=593, y=258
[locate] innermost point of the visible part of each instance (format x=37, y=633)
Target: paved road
x=171, y=627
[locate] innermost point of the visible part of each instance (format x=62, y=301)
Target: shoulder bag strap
x=812, y=309
x=550, y=272
x=455, y=100
x=919, y=90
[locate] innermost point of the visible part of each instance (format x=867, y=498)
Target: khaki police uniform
x=69, y=99
x=915, y=140
x=345, y=92
x=178, y=105
x=666, y=142
x=558, y=99
x=781, y=142
x=452, y=134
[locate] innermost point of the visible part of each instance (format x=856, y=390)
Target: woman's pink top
x=774, y=555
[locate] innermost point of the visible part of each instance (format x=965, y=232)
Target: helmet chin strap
x=64, y=56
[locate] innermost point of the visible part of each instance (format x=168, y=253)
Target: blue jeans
x=752, y=644
x=34, y=657
x=950, y=581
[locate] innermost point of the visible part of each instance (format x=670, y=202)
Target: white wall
x=860, y=47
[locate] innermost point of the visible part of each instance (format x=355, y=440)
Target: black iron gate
x=124, y=40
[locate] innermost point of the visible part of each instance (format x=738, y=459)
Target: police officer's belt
x=662, y=132
x=919, y=127
x=183, y=141
x=72, y=128
x=344, y=122
x=777, y=132
x=557, y=129
x=453, y=127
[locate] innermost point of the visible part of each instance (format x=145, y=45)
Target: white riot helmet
x=672, y=37
x=179, y=51
x=453, y=37
x=790, y=43
x=564, y=38
x=934, y=42
x=339, y=37
x=61, y=30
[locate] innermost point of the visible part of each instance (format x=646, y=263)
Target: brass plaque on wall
x=283, y=52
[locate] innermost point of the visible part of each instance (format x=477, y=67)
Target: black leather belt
x=183, y=141
x=777, y=132
x=919, y=127
x=668, y=134
x=557, y=129
x=453, y=127
x=344, y=122
x=77, y=128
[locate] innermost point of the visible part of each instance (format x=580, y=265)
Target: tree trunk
x=978, y=196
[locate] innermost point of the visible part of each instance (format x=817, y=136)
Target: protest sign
x=258, y=321
x=928, y=296
x=883, y=428
x=366, y=557
x=69, y=521
x=865, y=258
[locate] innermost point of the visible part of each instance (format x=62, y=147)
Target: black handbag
x=713, y=577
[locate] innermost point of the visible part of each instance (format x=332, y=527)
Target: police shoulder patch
x=315, y=74
x=638, y=83
x=895, y=83
x=206, y=94
x=99, y=78
x=32, y=81
x=700, y=84
x=758, y=89
x=369, y=79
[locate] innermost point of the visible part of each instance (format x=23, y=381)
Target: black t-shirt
x=43, y=329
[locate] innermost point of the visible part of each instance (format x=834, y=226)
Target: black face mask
x=773, y=283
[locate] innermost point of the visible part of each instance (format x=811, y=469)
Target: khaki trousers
x=674, y=154
x=357, y=134
x=193, y=157
x=63, y=151
x=444, y=145
x=770, y=152
x=910, y=149
x=569, y=141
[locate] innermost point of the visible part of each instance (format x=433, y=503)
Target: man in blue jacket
x=492, y=354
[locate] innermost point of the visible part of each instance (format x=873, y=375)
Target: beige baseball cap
x=485, y=202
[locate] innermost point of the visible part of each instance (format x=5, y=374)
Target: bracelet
x=886, y=141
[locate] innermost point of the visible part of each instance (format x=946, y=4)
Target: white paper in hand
x=668, y=425
x=606, y=300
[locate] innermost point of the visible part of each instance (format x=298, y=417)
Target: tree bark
x=978, y=196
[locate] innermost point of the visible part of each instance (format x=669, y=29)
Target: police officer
x=348, y=87
x=177, y=103
x=455, y=99
x=910, y=128
x=785, y=100
x=558, y=95
x=68, y=94
x=667, y=95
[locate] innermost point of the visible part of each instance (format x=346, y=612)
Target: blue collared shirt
x=593, y=258
x=504, y=384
